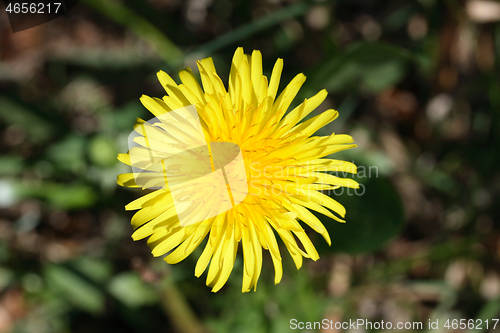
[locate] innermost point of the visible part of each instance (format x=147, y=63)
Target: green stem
x=165, y=48
x=178, y=310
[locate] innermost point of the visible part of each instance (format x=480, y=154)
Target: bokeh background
x=417, y=84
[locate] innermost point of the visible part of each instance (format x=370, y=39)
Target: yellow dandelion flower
x=275, y=159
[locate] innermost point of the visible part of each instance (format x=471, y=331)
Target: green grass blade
x=166, y=49
x=252, y=28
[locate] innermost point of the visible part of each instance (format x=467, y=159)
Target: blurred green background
x=417, y=84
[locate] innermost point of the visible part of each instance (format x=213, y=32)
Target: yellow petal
x=327, y=201
x=248, y=258
x=333, y=180
x=190, y=244
x=228, y=262
x=310, y=126
x=275, y=78
x=256, y=70
x=126, y=179
x=148, y=199
x=312, y=221
x=164, y=222
x=308, y=245
x=124, y=158
x=300, y=112
x=204, y=259
x=295, y=252
x=153, y=105
x=189, y=80
x=168, y=242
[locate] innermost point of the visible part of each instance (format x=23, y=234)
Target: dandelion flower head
x=285, y=171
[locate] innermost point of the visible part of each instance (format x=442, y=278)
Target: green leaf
x=6, y=277
x=376, y=65
x=442, y=181
x=61, y=196
x=102, y=151
x=131, y=290
x=68, y=154
x=95, y=269
x=374, y=215
x=73, y=288
x=10, y=165
x=123, y=119
x=14, y=113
